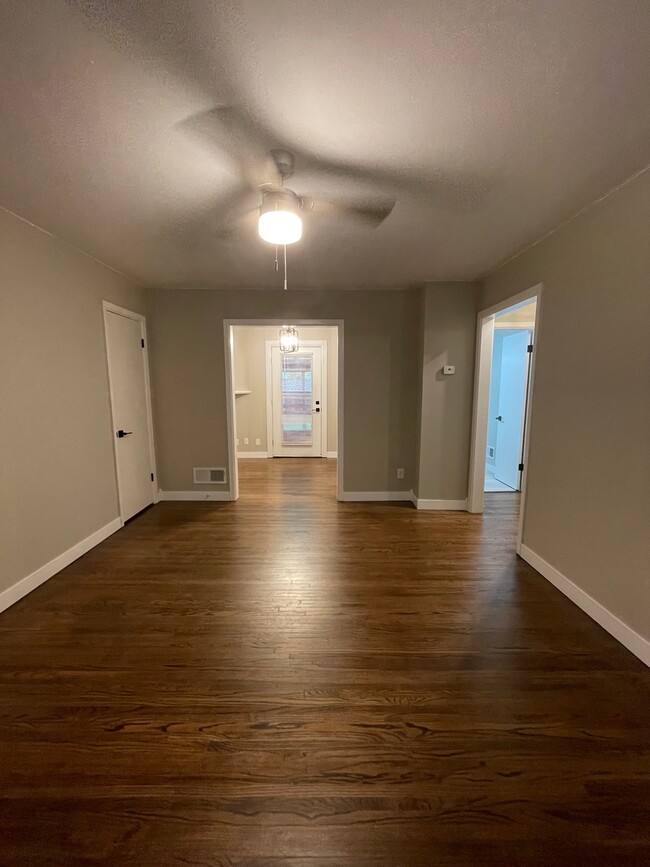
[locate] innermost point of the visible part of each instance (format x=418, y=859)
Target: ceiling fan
x=281, y=209
x=264, y=164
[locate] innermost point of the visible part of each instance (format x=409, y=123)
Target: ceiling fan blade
x=259, y=155
x=239, y=203
x=220, y=218
x=245, y=222
x=451, y=190
x=372, y=213
x=248, y=143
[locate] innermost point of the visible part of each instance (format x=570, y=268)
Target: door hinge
x=521, y=468
x=529, y=348
x=142, y=342
x=152, y=477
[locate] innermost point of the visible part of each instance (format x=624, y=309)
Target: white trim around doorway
x=482, y=374
x=228, y=325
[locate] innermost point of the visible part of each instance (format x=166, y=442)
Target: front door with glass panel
x=297, y=402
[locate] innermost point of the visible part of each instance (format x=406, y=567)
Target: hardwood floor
x=288, y=680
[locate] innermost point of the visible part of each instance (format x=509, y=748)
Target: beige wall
x=57, y=478
x=380, y=392
x=448, y=337
x=588, y=504
x=250, y=374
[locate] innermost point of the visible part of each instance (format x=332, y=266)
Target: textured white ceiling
x=496, y=119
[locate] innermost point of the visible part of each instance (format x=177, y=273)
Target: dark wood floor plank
x=293, y=681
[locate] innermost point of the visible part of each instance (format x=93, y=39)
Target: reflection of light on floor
x=494, y=485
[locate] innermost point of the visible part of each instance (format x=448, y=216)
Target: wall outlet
x=449, y=370
x=258, y=441
x=245, y=441
x=400, y=473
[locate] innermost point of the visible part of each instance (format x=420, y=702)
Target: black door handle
x=499, y=418
x=123, y=433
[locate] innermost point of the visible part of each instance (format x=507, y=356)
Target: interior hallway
x=288, y=680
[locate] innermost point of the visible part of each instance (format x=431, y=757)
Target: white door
x=297, y=402
x=512, y=407
x=130, y=409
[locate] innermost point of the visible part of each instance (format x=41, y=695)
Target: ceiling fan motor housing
x=280, y=200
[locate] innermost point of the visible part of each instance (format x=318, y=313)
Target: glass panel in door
x=296, y=392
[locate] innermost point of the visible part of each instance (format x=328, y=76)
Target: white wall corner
x=40, y=576
x=635, y=643
x=180, y=496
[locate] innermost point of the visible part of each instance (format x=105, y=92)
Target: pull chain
x=277, y=267
x=285, y=266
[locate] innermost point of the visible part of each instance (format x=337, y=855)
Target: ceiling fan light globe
x=280, y=227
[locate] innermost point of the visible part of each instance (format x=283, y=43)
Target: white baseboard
x=221, y=496
x=439, y=505
x=40, y=576
x=331, y=454
x=635, y=643
x=375, y=496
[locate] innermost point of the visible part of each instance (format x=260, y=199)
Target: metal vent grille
x=209, y=476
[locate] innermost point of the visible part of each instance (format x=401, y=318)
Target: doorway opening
x=507, y=337
x=284, y=404
x=512, y=348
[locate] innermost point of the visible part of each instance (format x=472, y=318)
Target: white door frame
x=109, y=307
x=228, y=342
x=322, y=344
x=482, y=374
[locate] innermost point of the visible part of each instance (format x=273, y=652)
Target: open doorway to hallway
x=506, y=348
x=285, y=404
x=512, y=347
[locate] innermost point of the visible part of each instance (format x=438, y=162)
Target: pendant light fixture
x=280, y=221
x=288, y=339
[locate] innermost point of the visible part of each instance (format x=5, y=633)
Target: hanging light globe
x=288, y=339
